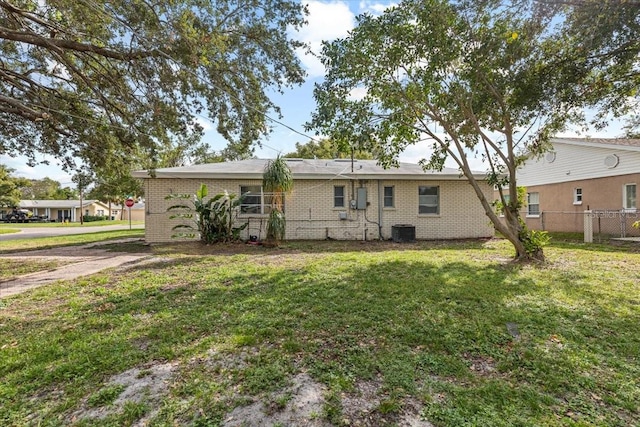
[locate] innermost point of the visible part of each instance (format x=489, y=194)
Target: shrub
x=213, y=220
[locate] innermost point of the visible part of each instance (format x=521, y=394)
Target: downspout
x=380, y=210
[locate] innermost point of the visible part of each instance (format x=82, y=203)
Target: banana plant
x=213, y=219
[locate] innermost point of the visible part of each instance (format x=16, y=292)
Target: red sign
x=129, y=202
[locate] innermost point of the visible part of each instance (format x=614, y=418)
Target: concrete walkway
x=82, y=261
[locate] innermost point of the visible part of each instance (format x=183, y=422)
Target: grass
x=6, y=225
x=12, y=246
x=9, y=230
x=425, y=321
x=10, y=268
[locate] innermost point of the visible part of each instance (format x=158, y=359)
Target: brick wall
x=310, y=211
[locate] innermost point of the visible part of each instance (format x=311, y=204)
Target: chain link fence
x=606, y=223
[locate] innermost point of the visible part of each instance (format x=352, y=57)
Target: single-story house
x=583, y=174
x=64, y=210
x=137, y=212
x=331, y=199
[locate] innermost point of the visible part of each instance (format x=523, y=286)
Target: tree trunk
x=512, y=227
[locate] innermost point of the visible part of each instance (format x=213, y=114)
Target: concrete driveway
x=34, y=232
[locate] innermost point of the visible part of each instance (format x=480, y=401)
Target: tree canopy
x=488, y=79
x=130, y=78
x=46, y=189
x=10, y=187
x=326, y=149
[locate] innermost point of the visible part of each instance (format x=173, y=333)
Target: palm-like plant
x=277, y=179
x=214, y=218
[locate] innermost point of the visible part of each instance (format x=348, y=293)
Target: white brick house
x=335, y=199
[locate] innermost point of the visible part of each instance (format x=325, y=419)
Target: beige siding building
x=65, y=210
x=331, y=199
x=578, y=175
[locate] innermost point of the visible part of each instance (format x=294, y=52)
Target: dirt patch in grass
x=367, y=405
x=299, y=404
x=141, y=386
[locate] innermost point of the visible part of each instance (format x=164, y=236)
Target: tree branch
x=62, y=44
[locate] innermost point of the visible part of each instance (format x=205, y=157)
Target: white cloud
x=374, y=8
x=326, y=21
x=205, y=123
x=39, y=171
x=358, y=93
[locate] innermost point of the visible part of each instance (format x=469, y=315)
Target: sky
x=327, y=20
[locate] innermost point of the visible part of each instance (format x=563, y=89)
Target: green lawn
x=11, y=267
x=5, y=225
x=452, y=329
x=12, y=246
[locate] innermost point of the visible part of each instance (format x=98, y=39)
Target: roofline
x=313, y=176
x=586, y=143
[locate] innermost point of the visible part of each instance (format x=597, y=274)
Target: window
x=100, y=212
x=577, y=196
x=429, y=200
x=388, y=197
x=338, y=196
x=533, y=204
x=629, y=197
x=254, y=201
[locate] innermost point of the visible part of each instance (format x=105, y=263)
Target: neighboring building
x=64, y=210
x=581, y=174
x=331, y=199
x=136, y=211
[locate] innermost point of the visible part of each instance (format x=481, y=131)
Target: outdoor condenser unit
x=403, y=233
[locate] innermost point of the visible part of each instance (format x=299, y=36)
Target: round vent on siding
x=611, y=161
x=550, y=157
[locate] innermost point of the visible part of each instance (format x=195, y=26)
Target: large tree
x=46, y=189
x=10, y=187
x=475, y=81
x=82, y=79
x=327, y=149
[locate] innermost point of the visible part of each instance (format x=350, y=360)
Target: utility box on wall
x=361, y=200
x=403, y=233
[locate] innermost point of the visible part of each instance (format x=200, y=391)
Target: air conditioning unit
x=403, y=233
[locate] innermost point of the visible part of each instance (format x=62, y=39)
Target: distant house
x=583, y=174
x=64, y=210
x=122, y=212
x=332, y=199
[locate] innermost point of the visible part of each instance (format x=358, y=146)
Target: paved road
x=34, y=232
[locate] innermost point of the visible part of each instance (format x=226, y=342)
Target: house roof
x=308, y=169
x=56, y=204
x=136, y=205
x=630, y=144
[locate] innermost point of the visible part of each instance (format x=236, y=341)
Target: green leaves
x=276, y=179
x=213, y=220
x=132, y=78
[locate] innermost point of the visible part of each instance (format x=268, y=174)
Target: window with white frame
x=388, y=201
x=429, y=200
x=338, y=196
x=100, y=212
x=577, y=196
x=533, y=204
x=254, y=200
x=629, y=200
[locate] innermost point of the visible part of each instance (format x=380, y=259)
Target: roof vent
x=611, y=161
x=550, y=157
